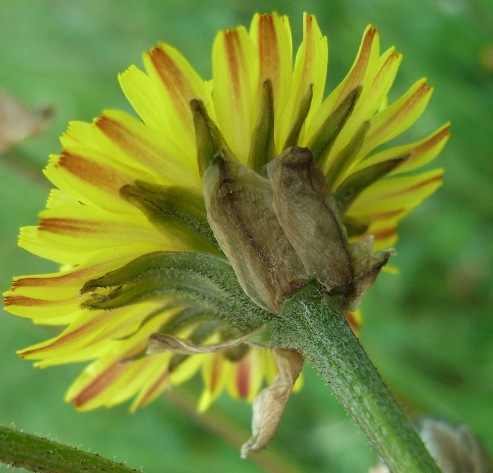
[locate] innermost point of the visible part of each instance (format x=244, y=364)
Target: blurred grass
x=429, y=329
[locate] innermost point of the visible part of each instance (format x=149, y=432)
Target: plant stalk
x=34, y=453
x=314, y=324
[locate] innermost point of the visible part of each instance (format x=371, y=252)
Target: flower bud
x=311, y=221
x=279, y=233
x=242, y=217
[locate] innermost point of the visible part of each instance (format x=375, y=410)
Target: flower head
x=129, y=225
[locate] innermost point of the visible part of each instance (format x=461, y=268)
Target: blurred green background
x=429, y=329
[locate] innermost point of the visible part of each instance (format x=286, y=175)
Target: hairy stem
x=34, y=453
x=316, y=326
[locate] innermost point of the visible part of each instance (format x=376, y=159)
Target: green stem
x=316, y=326
x=34, y=453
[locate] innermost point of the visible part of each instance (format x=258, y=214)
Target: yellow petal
x=215, y=372
x=363, y=69
x=162, y=97
x=72, y=234
x=140, y=92
x=91, y=180
x=310, y=69
x=235, y=72
x=143, y=148
x=373, y=94
x=68, y=282
x=271, y=36
x=115, y=376
x=60, y=198
x=79, y=134
x=110, y=384
x=418, y=154
x=397, y=192
x=387, y=201
x=157, y=382
x=397, y=117
x=246, y=376
x=74, y=343
x=113, y=151
x=93, y=333
x=377, y=86
x=42, y=308
x=186, y=370
x=137, y=374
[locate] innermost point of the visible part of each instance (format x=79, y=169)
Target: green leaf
x=345, y=157
x=180, y=210
x=262, y=149
x=359, y=181
x=210, y=141
x=305, y=104
x=34, y=453
x=199, y=281
x=322, y=142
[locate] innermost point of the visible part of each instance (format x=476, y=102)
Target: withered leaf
x=18, y=122
x=454, y=447
x=270, y=403
x=160, y=343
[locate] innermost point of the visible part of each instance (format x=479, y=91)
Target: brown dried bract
x=269, y=405
x=241, y=214
x=308, y=214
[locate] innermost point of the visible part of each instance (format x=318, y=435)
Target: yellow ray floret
x=129, y=187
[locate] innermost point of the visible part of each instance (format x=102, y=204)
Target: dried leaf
x=269, y=405
x=366, y=266
x=454, y=448
x=160, y=343
x=18, y=122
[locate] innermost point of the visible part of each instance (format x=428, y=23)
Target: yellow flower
x=127, y=187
